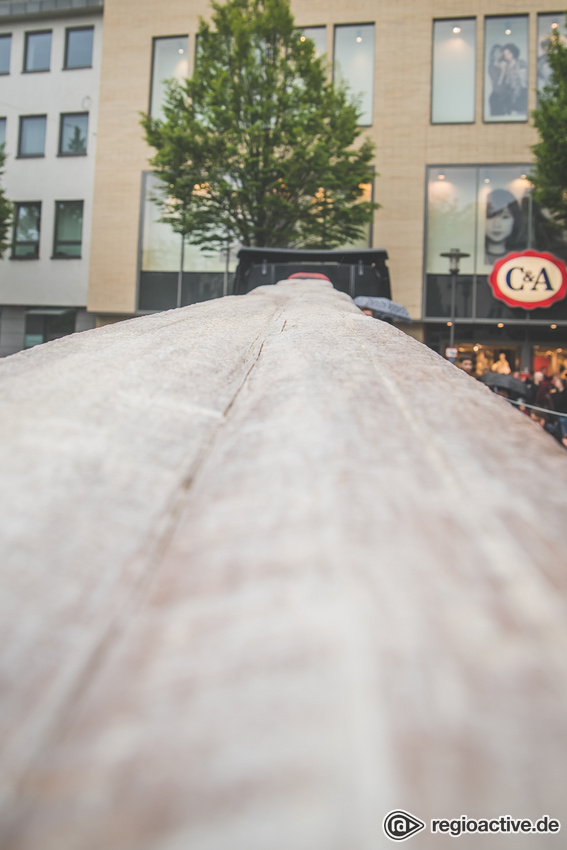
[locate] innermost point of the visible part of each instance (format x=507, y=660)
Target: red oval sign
x=529, y=279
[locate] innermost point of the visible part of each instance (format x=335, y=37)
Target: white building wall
x=46, y=281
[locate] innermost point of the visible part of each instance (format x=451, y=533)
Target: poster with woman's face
x=506, y=68
x=502, y=214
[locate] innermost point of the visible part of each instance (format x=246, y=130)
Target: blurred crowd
x=540, y=396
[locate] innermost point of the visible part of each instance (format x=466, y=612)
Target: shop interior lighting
x=500, y=325
x=508, y=31
x=180, y=50
x=554, y=25
x=449, y=324
x=440, y=176
x=456, y=30
x=487, y=179
x=553, y=327
x=358, y=38
x=302, y=38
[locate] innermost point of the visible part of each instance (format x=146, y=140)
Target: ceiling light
x=554, y=25
x=180, y=50
x=553, y=327
x=456, y=30
x=500, y=325
x=449, y=324
x=508, y=32
x=440, y=176
x=359, y=38
x=302, y=38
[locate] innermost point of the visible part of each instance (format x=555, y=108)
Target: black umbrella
x=383, y=307
x=505, y=382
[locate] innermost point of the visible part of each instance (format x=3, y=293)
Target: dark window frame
x=60, y=151
x=66, y=66
x=27, y=35
x=21, y=155
x=71, y=242
x=7, y=35
x=16, y=242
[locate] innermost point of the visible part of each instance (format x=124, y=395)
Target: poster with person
x=502, y=214
x=506, y=68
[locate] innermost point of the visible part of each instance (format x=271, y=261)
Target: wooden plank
x=271, y=569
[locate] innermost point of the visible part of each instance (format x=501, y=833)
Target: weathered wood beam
x=271, y=568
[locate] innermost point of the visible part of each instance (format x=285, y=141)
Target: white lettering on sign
x=530, y=279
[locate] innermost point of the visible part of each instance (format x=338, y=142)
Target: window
x=2, y=131
x=488, y=212
x=169, y=60
x=506, y=68
x=453, y=83
x=354, y=65
x=79, y=48
x=546, y=25
x=27, y=218
x=5, y=50
x=318, y=35
x=32, y=135
x=44, y=324
x=68, y=229
x=73, y=134
x=37, y=51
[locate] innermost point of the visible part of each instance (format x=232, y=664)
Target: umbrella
x=505, y=382
x=383, y=307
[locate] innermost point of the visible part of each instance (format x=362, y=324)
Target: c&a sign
x=529, y=279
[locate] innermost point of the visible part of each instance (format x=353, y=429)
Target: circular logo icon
x=529, y=279
x=399, y=825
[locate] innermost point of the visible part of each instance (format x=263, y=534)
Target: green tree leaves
x=258, y=147
x=550, y=118
x=5, y=210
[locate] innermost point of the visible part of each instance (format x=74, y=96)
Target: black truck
x=356, y=272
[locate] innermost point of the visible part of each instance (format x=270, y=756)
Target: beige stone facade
x=405, y=138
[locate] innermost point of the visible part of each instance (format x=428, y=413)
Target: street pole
x=455, y=255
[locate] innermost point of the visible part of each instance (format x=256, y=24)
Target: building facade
x=446, y=90
x=49, y=75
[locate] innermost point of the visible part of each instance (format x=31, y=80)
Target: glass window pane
x=26, y=230
x=161, y=246
x=170, y=60
x=546, y=25
x=69, y=221
x=454, y=60
x=5, y=49
x=38, y=51
x=79, y=53
x=2, y=131
x=318, y=35
x=32, y=135
x=354, y=65
x=451, y=217
x=506, y=68
x=502, y=213
x=74, y=128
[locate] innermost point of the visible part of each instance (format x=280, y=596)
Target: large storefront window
x=486, y=211
x=318, y=36
x=169, y=61
x=454, y=61
x=354, y=65
x=506, y=68
x=546, y=26
x=174, y=273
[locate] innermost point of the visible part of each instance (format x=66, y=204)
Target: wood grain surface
x=271, y=568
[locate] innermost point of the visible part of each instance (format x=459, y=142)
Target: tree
x=5, y=210
x=258, y=146
x=549, y=176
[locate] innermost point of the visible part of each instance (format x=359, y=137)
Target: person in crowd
x=466, y=364
x=503, y=228
x=559, y=396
